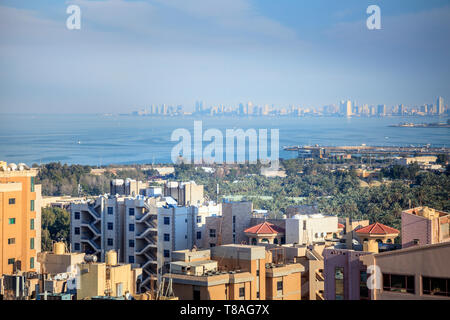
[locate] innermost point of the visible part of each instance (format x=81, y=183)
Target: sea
x=95, y=139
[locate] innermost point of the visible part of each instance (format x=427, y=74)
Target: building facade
x=20, y=219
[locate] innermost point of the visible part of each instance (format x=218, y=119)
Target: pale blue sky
x=131, y=54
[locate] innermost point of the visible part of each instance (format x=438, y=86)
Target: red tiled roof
x=377, y=228
x=340, y=226
x=265, y=228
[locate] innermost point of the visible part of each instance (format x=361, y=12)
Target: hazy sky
x=131, y=54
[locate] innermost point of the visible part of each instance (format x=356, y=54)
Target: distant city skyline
x=129, y=54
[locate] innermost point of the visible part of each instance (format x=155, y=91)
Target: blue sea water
x=101, y=140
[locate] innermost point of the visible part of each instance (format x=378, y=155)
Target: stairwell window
x=110, y=226
x=131, y=227
x=212, y=233
x=167, y=220
x=242, y=292
x=11, y=240
x=199, y=234
x=131, y=243
x=110, y=242
x=77, y=246
x=110, y=210
x=31, y=263
x=166, y=254
x=77, y=230
x=131, y=259
x=131, y=211
x=77, y=216
x=12, y=201
x=32, y=205
x=32, y=184
x=12, y=221
x=32, y=243
x=166, y=237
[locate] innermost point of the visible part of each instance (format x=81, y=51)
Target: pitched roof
x=340, y=226
x=265, y=228
x=377, y=228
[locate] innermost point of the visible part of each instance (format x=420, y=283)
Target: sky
x=131, y=54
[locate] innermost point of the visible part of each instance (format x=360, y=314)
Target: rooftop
x=377, y=228
x=265, y=228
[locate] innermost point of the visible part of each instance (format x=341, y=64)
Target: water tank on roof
x=59, y=248
x=111, y=258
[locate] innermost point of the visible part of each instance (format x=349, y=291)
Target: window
x=12, y=220
x=363, y=290
x=130, y=259
x=131, y=243
x=279, y=285
x=339, y=283
x=199, y=234
x=257, y=295
x=199, y=219
x=242, y=292
x=11, y=261
x=257, y=273
x=166, y=237
x=11, y=240
x=131, y=227
x=77, y=230
x=212, y=233
x=32, y=184
x=234, y=238
x=32, y=205
x=234, y=219
x=436, y=286
x=110, y=210
x=77, y=246
x=398, y=283
x=110, y=242
x=77, y=216
x=32, y=243
x=32, y=263
x=166, y=220
x=32, y=224
x=166, y=254
x=12, y=201
x=131, y=211
x=110, y=226
x=212, y=245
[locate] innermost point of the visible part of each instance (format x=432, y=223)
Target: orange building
x=234, y=272
x=20, y=219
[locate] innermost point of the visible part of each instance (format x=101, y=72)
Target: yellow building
x=20, y=218
x=107, y=279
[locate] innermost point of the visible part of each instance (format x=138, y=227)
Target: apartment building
x=345, y=274
x=419, y=272
x=182, y=227
x=127, y=187
x=127, y=225
x=234, y=272
x=310, y=228
x=20, y=218
x=107, y=279
x=184, y=193
x=423, y=225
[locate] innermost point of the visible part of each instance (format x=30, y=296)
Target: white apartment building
x=313, y=228
x=127, y=225
x=181, y=228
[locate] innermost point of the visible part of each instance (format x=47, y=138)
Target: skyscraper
x=346, y=108
x=440, y=105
